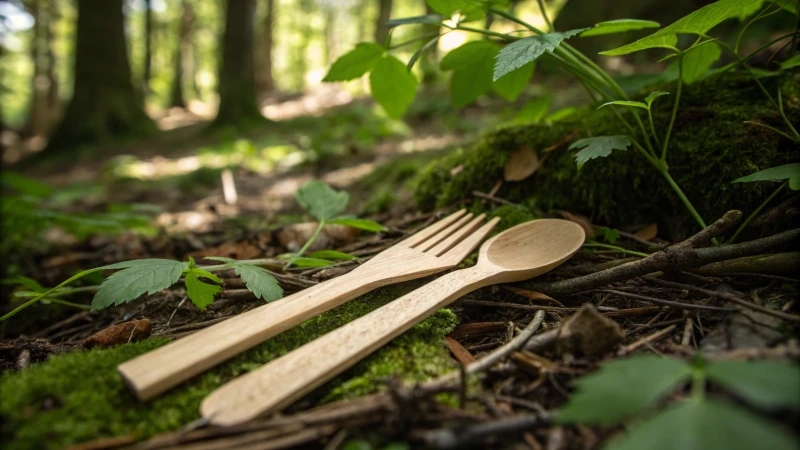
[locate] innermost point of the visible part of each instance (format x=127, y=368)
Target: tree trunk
x=237, y=88
x=182, y=50
x=148, y=47
x=104, y=102
x=266, y=80
x=384, y=13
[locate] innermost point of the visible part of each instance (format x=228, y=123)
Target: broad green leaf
x=704, y=424
x=332, y=254
x=429, y=19
x=697, y=62
x=137, y=277
x=623, y=388
x=355, y=63
x=766, y=384
x=625, y=103
x=511, y=86
x=392, y=86
x=794, y=61
x=561, y=114
x=304, y=262
x=361, y=224
x=447, y=7
x=320, y=200
x=619, y=26
x=201, y=293
x=598, y=147
x=468, y=55
x=472, y=64
x=521, y=52
x=654, y=95
x=698, y=22
x=779, y=173
x=533, y=111
x=259, y=281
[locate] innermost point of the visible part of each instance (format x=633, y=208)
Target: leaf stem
x=674, y=111
x=616, y=248
x=544, y=15
x=773, y=129
x=652, y=126
x=756, y=212
x=305, y=247
x=682, y=196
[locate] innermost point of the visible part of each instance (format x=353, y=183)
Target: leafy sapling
x=634, y=389
x=789, y=174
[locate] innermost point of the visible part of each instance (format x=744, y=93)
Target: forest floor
x=231, y=194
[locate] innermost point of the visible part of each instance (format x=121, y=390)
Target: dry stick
x=473, y=436
x=729, y=297
x=668, y=302
x=493, y=198
x=646, y=340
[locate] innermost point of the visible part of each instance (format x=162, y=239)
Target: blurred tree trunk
x=237, y=88
x=44, y=88
x=331, y=37
x=384, y=13
x=181, y=53
x=104, y=102
x=266, y=80
x=148, y=47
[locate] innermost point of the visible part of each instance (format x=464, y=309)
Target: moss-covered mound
x=710, y=146
x=79, y=396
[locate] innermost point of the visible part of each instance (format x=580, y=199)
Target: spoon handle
x=284, y=380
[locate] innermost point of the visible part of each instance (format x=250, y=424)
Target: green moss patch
x=79, y=396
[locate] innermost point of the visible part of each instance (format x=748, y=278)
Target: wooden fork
x=436, y=248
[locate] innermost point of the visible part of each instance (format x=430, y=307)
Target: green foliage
x=765, y=384
x=257, y=279
x=699, y=23
x=200, y=293
x=625, y=103
x=790, y=63
x=468, y=10
x=598, y=147
x=789, y=172
x=698, y=60
x=320, y=200
x=332, y=254
x=361, y=224
x=137, y=277
x=512, y=84
x=429, y=19
x=533, y=111
x=618, y=26
x=653, y=96
x=392, y=86
x=610, y=235
x=355, y=63
x=521, y=52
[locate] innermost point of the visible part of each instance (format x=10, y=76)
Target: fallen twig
x=476, y=435
x=667, y=302
x=646, y=340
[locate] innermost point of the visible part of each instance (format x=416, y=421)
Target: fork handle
x=286, y=379
x=163, y=368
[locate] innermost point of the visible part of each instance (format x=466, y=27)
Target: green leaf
x=654, y=95
x=619, y=26
x=25, y=185
x=533, y=111
x=361, y=224
x=355, y=63
x=766, y=384
x=625, y=103
x=473, y=64
x=332, y=254
x=429, y=19
x=511, y=86
x=311, y=262
x=598, y=147
x=447, y=7
x=561, y=114
x=138, y=277
x=392, y=86
x=521, y=52
x=703, y=424
x=794, y=61
x=697, y=61
x=698, y=22
x=623, y=388
x=468, y=55
x=201, y=293
x=610, y=235
x=794, y=183
x=320, y=200
x=259, y=281
x=779, y=173
x=420, y=51
x=467, y=85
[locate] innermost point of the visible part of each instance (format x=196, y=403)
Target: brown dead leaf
x=135, y=330
x=461, y=354
x=580, y=220
x=522, y=164
x=648, y=232
x=533, y=295
x=456, y=170
x=588, y=333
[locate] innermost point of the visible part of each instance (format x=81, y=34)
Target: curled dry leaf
x=121, y=333
x=522, y=164
x=580, y=220
x=533, y=295
x=647, y=233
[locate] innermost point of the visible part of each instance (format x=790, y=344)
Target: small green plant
x=325, y=204
x=634, y=389
x=789, y=174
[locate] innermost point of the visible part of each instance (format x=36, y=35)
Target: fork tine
x=465, y=247
x=454, y=238
x=429, y=231
x=440, y=236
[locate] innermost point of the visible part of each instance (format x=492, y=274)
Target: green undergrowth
x=79, y=396
x=710, y=148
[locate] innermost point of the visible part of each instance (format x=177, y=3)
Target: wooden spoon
x=520, y=253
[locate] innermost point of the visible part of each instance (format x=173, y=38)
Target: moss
x=709, y=148
x=79, y=396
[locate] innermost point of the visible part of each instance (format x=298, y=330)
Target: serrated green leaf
x=533, y=111
x=332, y=254
x=779, y=173
x=361, y=224
x=766, y=384
x=306, y=262
x=466, y=85
x=429, y=19
x=698, y=22
x=468, y=55
x=259, y=281
x=392, y=86
x=619, y=26
x=137, y=277
x=511, y=86
x=320, y=200
x=794, y=61
x=521, y=52
x=625, y=103
x=355, y=63
x=697, y=62
x=200, y=293
x=654, y=95
x=623, y=388
x=703, y=424
x=598, y=147
x=610, y=235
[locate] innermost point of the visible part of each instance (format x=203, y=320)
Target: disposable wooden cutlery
x=522, y=252
x=436, y=248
